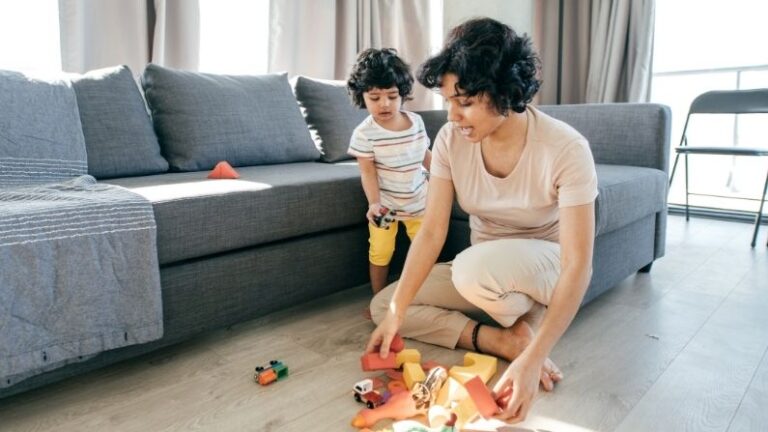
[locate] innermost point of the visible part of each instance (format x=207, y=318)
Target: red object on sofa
x=223, y=170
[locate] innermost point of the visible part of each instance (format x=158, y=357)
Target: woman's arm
x=421, y=257
x=577, y=235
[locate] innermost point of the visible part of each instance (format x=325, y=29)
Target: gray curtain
x=321, y=38
x=101, y=33
x=603, y=54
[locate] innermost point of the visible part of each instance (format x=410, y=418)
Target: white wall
x=518, y=14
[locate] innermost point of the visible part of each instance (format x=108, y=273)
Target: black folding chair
x=725, y=102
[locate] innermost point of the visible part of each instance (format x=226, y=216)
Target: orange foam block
x=396, y=345
x=482, y=397
x=223, y=170
x=373, y=361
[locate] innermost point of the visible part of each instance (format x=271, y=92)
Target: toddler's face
x=383, y=104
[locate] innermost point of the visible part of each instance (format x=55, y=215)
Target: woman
x=528, y=183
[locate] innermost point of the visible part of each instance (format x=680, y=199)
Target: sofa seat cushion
x=198, y=217
x=625, y=194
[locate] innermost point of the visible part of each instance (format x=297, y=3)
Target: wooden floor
x=681, y=348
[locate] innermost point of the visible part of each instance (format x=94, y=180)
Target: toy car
x=365, y=393
x=386, y=217
x=275, y=371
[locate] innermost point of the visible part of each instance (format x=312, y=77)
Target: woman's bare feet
x=508, y=343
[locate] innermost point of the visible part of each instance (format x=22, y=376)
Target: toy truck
x=365, y=393
x=275, y=371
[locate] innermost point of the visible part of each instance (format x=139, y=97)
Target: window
x=702, y=46
x=234, y=36
x=29, y=36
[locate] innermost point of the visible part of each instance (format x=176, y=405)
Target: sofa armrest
x=635, y=134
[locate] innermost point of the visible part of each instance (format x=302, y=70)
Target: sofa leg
x=646, y=269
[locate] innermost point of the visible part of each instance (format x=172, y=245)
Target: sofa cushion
x=330, y=115
x=118, y=131
x=41, y=139
x=197, y=217
x=625, y=194
x=202, y=119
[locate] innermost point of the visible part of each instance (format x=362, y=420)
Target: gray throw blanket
x=78, y=274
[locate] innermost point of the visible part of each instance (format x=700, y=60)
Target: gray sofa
x=292, y=230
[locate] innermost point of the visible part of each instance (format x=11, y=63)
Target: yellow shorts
x=382, y=241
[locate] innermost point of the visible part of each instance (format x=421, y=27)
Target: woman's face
x=475, y=117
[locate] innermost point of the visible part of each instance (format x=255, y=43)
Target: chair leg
x=759, y=216
x=674, y=167
x=687, y=217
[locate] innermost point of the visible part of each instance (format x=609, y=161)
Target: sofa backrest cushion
x=202, y=119
x=118, y=131
x=41, y=139
x=330, y=115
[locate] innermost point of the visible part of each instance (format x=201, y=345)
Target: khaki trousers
x=500, y=279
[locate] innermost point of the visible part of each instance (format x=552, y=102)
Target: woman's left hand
x=517, y=388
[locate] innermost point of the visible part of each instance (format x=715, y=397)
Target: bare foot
x=515, y=339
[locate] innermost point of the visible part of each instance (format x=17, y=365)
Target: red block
x=482, y=397
x=373, y=361
x=397, y=344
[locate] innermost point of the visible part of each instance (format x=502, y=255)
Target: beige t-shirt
x=556, y=169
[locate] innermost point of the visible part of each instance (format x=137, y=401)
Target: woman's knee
x=380, y=303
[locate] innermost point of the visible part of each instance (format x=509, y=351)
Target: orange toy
x=223, y=170
x=373, y=361
x=482, y=397
x=399, y=407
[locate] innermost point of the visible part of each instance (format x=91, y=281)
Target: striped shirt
x=398, y=158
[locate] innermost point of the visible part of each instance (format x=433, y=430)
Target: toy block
x=373, y=361
x=408, y=356
x=395, y=387
x=482, y=397
x=223, y=170
x=475, y=364
x=377, y=382
x=438, y=416
x=394, y=375
x=452, y=391
x=413, y=373
x=465, y=411
x=397, y=344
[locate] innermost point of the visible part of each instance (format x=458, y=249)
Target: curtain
x=321, y=38
x=603, y=54
x=175, y=33
x=100, y=33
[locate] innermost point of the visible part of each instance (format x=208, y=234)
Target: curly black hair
x=379, y=68
x=489, y=58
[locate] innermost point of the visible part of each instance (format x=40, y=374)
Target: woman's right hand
x=382, y=336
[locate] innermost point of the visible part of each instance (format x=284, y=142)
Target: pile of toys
x=446, y=398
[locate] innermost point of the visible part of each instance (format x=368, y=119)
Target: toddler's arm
x=370, y=181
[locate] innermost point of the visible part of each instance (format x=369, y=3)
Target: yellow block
x=410, y=355
x=452, y=391
x=465, y=411
x=413, y=373
x=475, y=364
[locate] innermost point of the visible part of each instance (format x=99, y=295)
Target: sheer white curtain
x=101, y=33
x=322, y=38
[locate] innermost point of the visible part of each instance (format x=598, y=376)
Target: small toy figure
x=275, y=371
x=386, y=217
